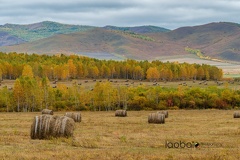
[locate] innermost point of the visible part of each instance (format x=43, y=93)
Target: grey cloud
x=165, y=13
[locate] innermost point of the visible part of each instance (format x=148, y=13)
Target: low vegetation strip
x=107, y=94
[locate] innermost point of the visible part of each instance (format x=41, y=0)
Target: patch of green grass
x=231, y=75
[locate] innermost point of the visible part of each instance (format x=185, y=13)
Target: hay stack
x=236, y=114
x=46, y=126
x=47, y=111
x=75, y=116
x=42, y=126
x=164, y=112
x=63, y=127
x=156, y=118
x=121, y=113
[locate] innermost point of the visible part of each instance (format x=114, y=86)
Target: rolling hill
x=7, y=40
x=17, y=34
x=216, y=40
x=36, y=31
x=98, y=40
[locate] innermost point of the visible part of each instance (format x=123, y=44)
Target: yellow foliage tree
x=152, y=74
x=18, y=93
x=72, y=69
x=138, y=72
x=65, y=72
x=27, y=71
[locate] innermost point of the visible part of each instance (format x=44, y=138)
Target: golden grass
x=101, y=135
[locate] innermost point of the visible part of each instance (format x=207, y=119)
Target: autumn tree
x=80, y=70
x=18, y=93
x=200, y=73
x=65, y=72
x=27, y=71
x=138, y=73
x=183, y=73
x=105, y=71
x=44, y=86
x=152, y=74
x=93, y=72
x=72, y=69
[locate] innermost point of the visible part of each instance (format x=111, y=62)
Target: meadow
x=101, y=135
x=90, y=83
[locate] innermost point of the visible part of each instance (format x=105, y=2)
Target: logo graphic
x=181, y=144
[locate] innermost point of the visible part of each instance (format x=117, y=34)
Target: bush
x=60, y=106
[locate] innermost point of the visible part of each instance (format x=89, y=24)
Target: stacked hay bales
x=47, y=111
x=236, y=114
x=164, y=112
x=156, y=118
x=75, y=116
x=46, y=126
x=121, y=113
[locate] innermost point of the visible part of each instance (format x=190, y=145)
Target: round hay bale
x=75, y=116
x=42, y=126
x=63, y=127
x=164, y=112
x=156, y=118
x=236, y=114
x=47, y=111
x=46, y=126
x=120, y=113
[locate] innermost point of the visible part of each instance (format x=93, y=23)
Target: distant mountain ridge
x=219, y=40
x=36, y=31
x=97, y=40
x=138, y=29
x=45, y=29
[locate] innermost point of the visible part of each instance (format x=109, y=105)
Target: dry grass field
x=89, y=83
x=102, y=136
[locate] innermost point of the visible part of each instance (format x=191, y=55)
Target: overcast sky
x=170, y=14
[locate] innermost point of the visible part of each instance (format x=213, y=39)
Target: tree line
x=34, y=94
x=62, y=67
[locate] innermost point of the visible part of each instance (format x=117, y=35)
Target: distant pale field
x=102, y=136
x=104, y=56
x=229, y=69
